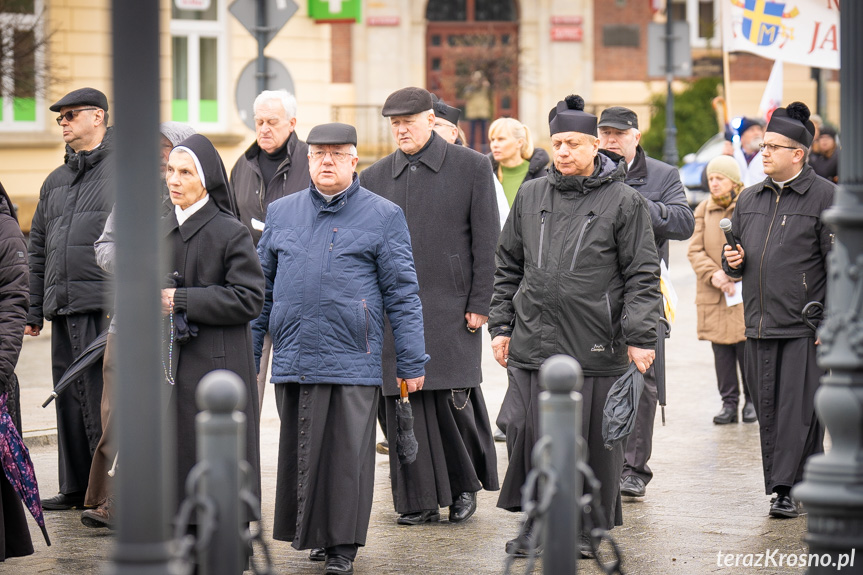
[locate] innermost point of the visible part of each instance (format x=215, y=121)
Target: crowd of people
x=347, y=290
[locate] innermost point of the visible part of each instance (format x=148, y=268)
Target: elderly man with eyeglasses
x=337, y=260
x=781, y=251
x=67, y=287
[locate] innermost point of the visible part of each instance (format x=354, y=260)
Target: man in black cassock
x=778, y=223
x=447, y=194
x=337, y=260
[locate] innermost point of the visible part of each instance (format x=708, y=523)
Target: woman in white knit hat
x=718, y=322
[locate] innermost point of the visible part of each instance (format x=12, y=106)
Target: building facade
x=533, y=53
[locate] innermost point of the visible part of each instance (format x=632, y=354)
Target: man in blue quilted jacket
x=337, y=259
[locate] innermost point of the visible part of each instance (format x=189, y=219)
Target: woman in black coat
x=217, y=288
x=14, y=303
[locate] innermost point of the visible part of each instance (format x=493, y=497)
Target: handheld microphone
x=725, y=224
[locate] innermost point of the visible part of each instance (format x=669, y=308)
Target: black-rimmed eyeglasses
x=70, y=115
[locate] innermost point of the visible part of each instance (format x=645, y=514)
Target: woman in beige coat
x=720, y=323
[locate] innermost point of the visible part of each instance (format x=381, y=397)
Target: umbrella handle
x=403, y=388
x=50, y=399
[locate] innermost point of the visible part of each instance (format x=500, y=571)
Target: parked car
x=692, y=170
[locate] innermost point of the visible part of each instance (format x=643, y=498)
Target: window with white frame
x=199, y=57
x=21, y=65
x=703, y=18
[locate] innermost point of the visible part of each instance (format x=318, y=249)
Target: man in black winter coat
x=447, y=195
x=781, y=254
x=67, y=287
x=577, y=274
x=274, y=166
x=671, y=219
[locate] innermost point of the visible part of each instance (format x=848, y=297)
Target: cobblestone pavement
x=706, y=497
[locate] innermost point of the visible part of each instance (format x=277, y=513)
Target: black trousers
x=639, y=445
x=783, y=376
x=726, y=358
x=79, y=422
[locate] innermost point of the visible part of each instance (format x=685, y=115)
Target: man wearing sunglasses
x=781, y=253
x=67, y=287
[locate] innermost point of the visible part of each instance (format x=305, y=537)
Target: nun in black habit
x=217, y=287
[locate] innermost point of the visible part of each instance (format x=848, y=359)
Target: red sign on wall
x=382, y=21
x=566, y=33
x=566, y=20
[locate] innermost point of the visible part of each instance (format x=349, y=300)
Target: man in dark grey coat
x=671, y=219
x=578, y=250
x=781, y=254
x=67, y=287
x=447, y=195
x=274, y=166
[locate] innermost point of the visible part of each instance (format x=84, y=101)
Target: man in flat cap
x=578, y=249
x=274, y=166
x=337, y=260
x=781, y=254
x=671, y=219
x=67, y=287
x=447, y=195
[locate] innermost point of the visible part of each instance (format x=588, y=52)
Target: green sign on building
x=335, y=10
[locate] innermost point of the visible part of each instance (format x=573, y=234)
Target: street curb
x=40, y=438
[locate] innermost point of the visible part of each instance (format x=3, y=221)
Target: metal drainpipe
x=145, y=474
x=832, y=487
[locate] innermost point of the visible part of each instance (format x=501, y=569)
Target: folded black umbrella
x=91, y=354
x=663, y=330
x=406, y=441
x=621, y=406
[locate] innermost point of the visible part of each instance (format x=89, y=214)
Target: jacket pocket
x=330, y=250
x=610, y=318
x=457, y=275
x=361, y=329
x=590, y=217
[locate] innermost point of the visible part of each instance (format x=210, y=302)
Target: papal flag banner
x=798, y=32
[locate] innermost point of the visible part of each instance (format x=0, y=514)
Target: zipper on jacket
x=541, y=235
x=782, y=230
x=610, y=322
x=590, y=217
x=366, y=312
x=805, y=288
x=330, y=252
x=761, y=264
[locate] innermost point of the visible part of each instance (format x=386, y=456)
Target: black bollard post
x=221, y=440
x=560, y=419
x=832, y=487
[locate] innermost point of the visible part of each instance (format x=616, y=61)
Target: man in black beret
x=67, y=287
x=447, y=194
x=826, y=161
x=446, y=122
x=337, y=259
x=578, y=249
x=777, y=222
x=671, y=219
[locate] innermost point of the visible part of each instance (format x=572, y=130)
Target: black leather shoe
x=338, y=565
x=585, y=547
x=63, y=501
x=749, y=413
x=784, y=507
x=632, y=486
x=499, y=435
x=463, y=507
x=520, y=547
x=318, y=554
x=420, y=517
x=727, y=415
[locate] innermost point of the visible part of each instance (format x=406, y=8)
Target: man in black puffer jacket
x=671, y=219
x=577, y=274
x=67, y=287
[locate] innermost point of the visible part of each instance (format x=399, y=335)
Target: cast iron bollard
x=832, y=487
x=560, y=419
x=221, y=431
